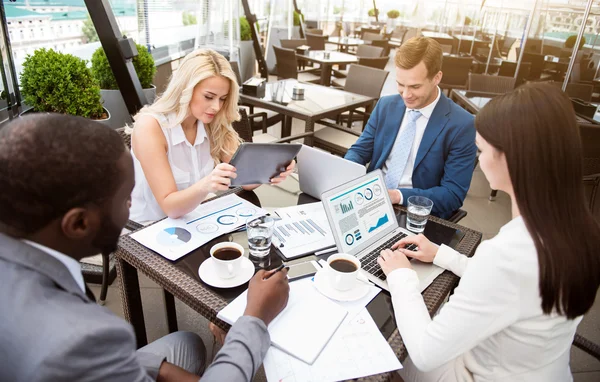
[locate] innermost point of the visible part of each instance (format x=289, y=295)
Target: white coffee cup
x=227, y=269
x=342, y=280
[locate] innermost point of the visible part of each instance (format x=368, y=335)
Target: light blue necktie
x=402, y=149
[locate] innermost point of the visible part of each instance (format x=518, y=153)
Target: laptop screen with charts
x=319, y=171
x=360, y=212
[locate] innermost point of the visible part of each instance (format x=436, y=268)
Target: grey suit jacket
x=51, y=331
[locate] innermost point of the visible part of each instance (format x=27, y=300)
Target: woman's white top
x=493, y=327
x=189, y=163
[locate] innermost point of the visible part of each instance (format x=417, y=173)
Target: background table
x=319, y=102
x=335, y=58
x=344, y=43
x=180, y=278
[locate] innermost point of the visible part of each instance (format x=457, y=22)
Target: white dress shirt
x=493, y=327
x=189, y=163
x=406, y=179
x=72, y=265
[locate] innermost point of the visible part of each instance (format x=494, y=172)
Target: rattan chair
x=577, y=90
x=244, y=129
x=374, y=62
x=256, y=115
x=490, y=84
x=382, y=44
x=316, y=41
x=412, y=32
x=508, y=68
x=368, y=34
x=287, y=66
x=314, y=31
x=361, y=80
x=506, y=45
x=537, y=65
x=455, y=72
x=369, y=51
x=293, y=43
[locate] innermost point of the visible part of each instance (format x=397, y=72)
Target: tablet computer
x=257, y=163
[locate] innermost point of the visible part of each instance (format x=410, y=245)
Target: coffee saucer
x=322, y=284
x=208, y=274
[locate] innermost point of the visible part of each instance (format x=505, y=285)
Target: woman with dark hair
x=520, y=298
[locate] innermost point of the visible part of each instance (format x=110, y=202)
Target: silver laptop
x=363, y=222
x=319, y=171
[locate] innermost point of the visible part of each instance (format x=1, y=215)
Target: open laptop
x=320, y=171
x=363, y=222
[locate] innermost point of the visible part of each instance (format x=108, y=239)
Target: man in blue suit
x=423, y=142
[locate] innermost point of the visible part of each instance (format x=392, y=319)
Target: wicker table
x=180, y=279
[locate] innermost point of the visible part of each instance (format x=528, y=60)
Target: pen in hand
x=279, y=268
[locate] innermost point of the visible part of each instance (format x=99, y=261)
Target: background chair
x=374, y=62
x=336, y=138
x=265, y=116
x=369, y=51
x=505, y=45
x=412, y=32
x=456, y=72
x=244, y=130
x=537, y=65
x=314, y=31
x=368, y=34
x=287, y=66
x=315, y=41
x=490, y=84
x=508, y=68
x=293, y=44
x=577, y=90
x=382, y=44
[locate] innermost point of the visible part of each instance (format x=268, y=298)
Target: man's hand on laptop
x=267, y=297
x=426, y=250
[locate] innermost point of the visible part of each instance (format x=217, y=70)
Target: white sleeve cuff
x=401, y=197
x=445, y=256
x=403, y=278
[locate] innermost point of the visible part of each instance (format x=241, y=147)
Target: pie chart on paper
x=173, y=237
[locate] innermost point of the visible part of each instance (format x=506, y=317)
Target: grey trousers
x=184, y=349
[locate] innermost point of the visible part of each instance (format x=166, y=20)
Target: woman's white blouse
x=493, y=327
x=189, y=163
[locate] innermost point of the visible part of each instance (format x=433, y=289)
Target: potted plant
x=571, y=40
x=61, y=83
x=392, y=16
x=109, y=90
x=247, y=56
x=373, y=14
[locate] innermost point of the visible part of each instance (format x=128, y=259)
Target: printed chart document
x=304, y=327
x=357, y=349
x=302, y=229
x=174, y=238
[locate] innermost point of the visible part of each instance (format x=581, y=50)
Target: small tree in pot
x=109, y=89
x=247, y=55
x=392, y=16
x=60, y=83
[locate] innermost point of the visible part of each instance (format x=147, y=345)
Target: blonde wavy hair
x=193, y=69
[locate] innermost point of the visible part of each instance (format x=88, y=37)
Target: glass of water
x=419, y=208
x=260, y=231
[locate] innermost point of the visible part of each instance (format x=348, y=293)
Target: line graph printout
x=175, y=238
x=357, y=349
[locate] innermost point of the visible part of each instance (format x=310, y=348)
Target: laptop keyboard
x=369, y=261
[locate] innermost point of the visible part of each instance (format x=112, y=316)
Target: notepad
x=304, y=327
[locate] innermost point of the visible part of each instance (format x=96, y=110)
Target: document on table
x=174, y=238
x=304, y=327
x=356, y=350
x=302, y=229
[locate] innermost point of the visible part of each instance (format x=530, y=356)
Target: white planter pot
x=113, y=101
x=247, y=60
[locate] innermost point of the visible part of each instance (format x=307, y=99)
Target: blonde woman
x=182, y=143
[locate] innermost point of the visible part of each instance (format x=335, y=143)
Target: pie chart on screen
x=173, y=236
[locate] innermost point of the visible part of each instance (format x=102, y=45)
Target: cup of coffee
x=227, y=258
x=343, y=270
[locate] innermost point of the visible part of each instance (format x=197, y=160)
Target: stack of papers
x=303, y=229
x=357, y=349
x=174, y=238
x=304, y=327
